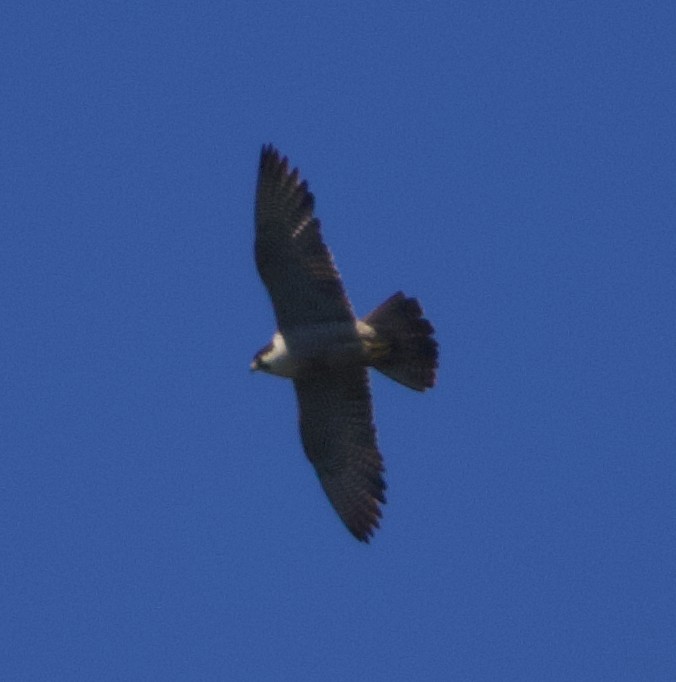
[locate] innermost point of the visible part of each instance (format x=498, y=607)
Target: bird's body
x=305, y=350
x=326, y=350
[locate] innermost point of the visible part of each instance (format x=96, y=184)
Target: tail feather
x=405, y=349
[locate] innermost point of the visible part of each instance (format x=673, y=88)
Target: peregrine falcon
x=325, y=349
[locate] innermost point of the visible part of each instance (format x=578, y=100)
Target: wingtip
x=274, y=165
x=269, y=153
x=363, y=535
x=364, y=525
x=272, y=161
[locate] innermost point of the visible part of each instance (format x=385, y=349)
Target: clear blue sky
x=511, y=164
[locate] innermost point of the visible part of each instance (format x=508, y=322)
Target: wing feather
x=336, y=425
x=293, y=261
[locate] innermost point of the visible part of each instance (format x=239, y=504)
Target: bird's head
x=274, y=358
x=260, y=360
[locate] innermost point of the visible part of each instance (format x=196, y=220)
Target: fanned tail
x=404, y=349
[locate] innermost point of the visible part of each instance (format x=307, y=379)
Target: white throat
x=277, y=360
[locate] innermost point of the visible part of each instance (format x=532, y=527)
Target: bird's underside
x=326, y=350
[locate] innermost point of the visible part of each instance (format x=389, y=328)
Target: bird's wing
x=336, y=426
x=293, y=261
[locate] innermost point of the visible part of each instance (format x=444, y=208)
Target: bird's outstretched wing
x=293, y=261
x=336, y=426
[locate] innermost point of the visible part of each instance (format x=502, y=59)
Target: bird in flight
x=325, y=349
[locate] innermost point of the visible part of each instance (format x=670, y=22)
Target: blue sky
x=512, y=165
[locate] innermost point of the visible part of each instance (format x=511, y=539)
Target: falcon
x=325, y=349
